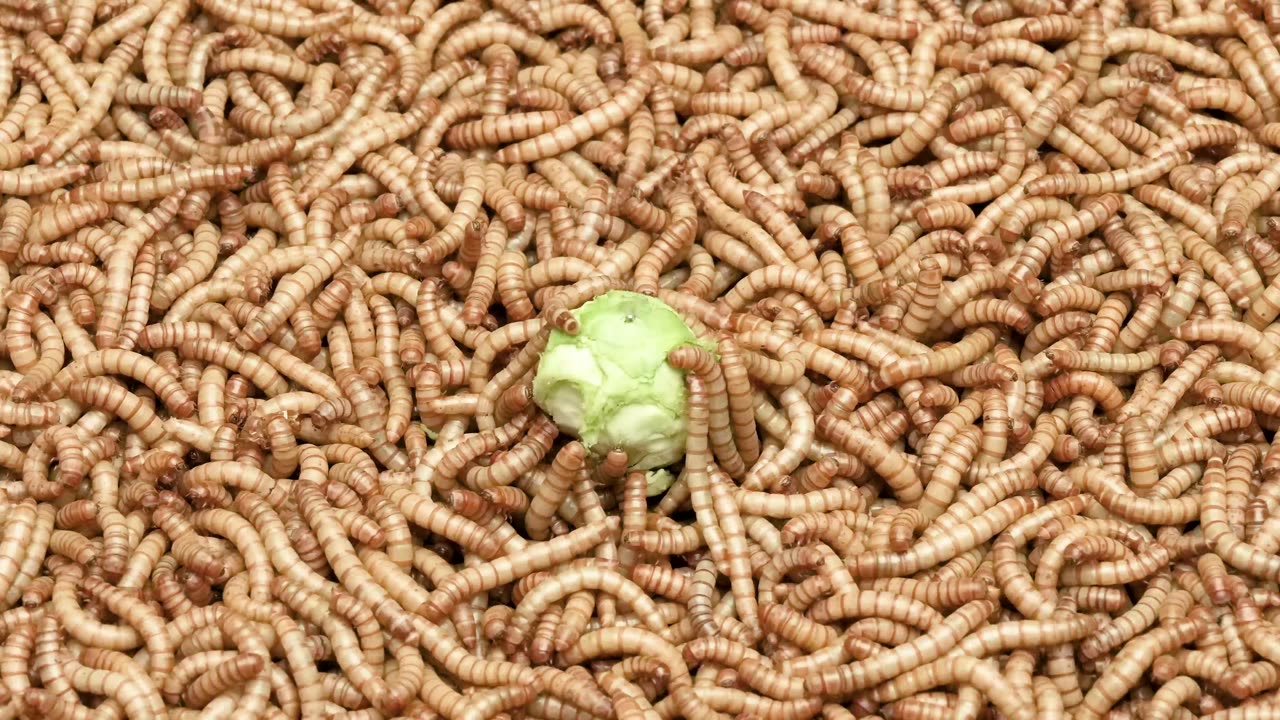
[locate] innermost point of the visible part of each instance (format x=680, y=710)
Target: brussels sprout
x=611, y=386
x=658, y=481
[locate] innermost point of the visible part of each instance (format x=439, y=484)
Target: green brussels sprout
x=658, y=481
x=611, y=385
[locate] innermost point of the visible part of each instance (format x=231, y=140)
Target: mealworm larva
x=593, y=121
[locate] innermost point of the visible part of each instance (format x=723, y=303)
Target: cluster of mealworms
x=987, y=431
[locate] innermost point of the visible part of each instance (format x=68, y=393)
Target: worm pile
x=988, y=430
